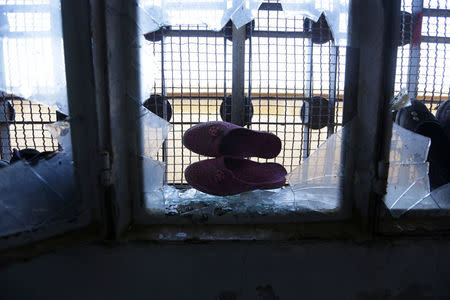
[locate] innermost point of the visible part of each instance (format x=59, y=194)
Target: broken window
x=292, y=86
x=37, y=176
x=286, y=79
x=422, y=60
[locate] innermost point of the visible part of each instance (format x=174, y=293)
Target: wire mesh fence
x=293, y=83
x=424, y=51
x=294, y=77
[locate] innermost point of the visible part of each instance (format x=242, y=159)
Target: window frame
x=81, y=94
x=370, y=55
x=109, y=176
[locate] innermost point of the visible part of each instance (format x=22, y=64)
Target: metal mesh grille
x=28, y=128
x=197, y=76
x=424, y=55
x=24, y=126
x=284, y=69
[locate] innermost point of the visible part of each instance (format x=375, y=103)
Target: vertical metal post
x=373, y=30
x=414, y=51
x=238, y=100
x=163, y=97
x=82, y=103
x=334, y=53
x=249, y=89
x=309, y=76
x=5, y=143
x=124, y=96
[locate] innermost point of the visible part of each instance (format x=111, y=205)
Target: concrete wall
x=236, y=270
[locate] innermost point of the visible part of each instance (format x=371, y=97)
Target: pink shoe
x=221, y=138
x=226, y=175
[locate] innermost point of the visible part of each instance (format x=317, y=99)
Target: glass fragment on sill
x=408, y=182
x=253, y=203
x=314, y=187
x=153, y=176
x=154, y=131
x=315, y=182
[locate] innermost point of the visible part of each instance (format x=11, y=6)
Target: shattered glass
x=408, y=182
x=253, y=203
x=154, y=14
x=34, y=56
x=440, y=197
x=335, y=11
x=154, y=131
x=61, y=131
x=315, y=181
x=313, y=186
x=39, y=192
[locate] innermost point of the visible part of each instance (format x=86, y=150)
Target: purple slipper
x=226, y=175
x=221, y=138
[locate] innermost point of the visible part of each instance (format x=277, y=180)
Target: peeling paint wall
x=238, y=270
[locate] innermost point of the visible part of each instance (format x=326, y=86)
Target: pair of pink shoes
x=229, y=173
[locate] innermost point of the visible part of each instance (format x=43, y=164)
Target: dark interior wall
x=237, y=270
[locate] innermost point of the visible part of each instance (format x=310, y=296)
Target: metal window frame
x=91, y=222
x=103, y=130
x=370, y=55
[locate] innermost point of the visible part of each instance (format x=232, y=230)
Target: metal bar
x=435, y=39
x=334, y=54
x=308, y=76
x=414, y=53
x=5, y=143
x=238, y=101
x=432, y=12
x=271, y=6
x=249, y=88
x=101, y=72
x=391, y=41
x=255, y=33
x=26, y=34
x=25, y=122
x=124, y=96
x=253, y=123
x=261, y=96
x=99, y=55
x=35, y=8
x=82, y=103
x=201, y=5
x=163, y=94
x=372, y=32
